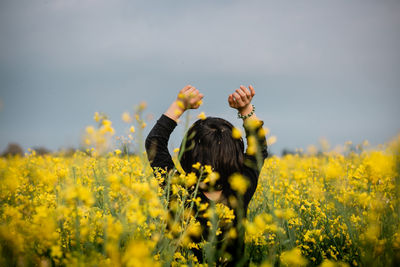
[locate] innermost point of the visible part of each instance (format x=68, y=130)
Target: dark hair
x=210, y=142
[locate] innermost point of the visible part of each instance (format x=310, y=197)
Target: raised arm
x=188, y=98
x=255, y=135
x=157, y=140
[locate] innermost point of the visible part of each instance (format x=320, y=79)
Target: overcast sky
x=320, y=68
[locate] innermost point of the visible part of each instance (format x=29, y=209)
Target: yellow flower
x=266, y=264
x=271, y=140
x=96, y=117
x=204, y=206
x=252, y=145
x=236, y=133
x=208, y=169
x=180, y=104
x=196, y=166
x=142, y=106
x=232, y=233
x=225, y=214
x=328, y=263
x=101, y=199
x=178, y=256
x=106, y=123
x=213, y=177
x=202, y=116
x=194, y=229
x=137, y=253
x=56, y=252
x=279, y=213
x=90, y=129
x=126, y=117
x=263, y=132
x=293, y=258
x=252, y=123
x=178, y=112
x=238, y=183
x=190, y=179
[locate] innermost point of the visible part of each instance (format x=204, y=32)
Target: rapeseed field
x=102, y=208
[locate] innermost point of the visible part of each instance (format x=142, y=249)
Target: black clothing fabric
x=159, y=157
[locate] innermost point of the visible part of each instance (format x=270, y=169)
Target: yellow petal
x=202, y=116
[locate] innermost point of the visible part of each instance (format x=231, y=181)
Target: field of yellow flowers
x=99, y=209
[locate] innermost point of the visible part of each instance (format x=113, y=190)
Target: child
x=212, y=142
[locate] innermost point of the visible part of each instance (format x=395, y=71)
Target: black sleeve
x=253, y=162
x=157, y=144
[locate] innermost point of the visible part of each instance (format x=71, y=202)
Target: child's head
x=210, y=142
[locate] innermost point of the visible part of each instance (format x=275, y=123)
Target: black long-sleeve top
x=159, y=157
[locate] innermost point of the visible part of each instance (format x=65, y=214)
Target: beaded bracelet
x=240, y=116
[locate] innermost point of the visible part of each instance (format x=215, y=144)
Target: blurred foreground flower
x=126, y=117
x=202, y=116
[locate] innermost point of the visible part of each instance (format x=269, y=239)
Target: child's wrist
x=246, y=113
x=246, y=110
x=179, y=105
x=175, y=111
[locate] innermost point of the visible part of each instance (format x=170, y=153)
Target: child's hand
x=241, y=99
x=189, y=98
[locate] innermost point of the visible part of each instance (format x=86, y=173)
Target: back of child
x=216, y=143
